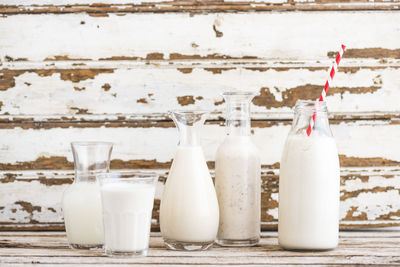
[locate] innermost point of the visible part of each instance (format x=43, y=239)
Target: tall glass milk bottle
x=238, y=177
x=81, y=201
x=309, y=181
x=189, y=206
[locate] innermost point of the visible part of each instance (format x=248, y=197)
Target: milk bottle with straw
x=309, y=193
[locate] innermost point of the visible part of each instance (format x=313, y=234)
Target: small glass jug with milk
x=81, y=202
x=309, y=181
x=189, y=207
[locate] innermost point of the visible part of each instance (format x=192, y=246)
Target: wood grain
x=355, y=248
x=10, y=7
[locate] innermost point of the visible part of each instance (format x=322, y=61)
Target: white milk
x=127, y=212
x=82, y=214
x=189, y=206
x=309, y=193
x=237, y=182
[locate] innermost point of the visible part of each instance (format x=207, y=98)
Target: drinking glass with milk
x=309, y=181
x=127, y=199
x=81, y=201
x=238, y=176
x=189, y=206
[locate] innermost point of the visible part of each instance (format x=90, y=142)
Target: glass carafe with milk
x=81, y=201
x=189, y=206
x=309, y=181
x=238, y=176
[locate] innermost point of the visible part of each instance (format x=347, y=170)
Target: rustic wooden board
x=369, y=198
x=355, y=248
x=139, y=147
x=177, y=36
x=136, y=89
x=118, y=6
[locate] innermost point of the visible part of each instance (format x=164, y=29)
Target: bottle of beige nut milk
x=189, y=206
x=238, y=177
x=309, y=183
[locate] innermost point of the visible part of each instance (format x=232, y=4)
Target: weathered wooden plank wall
x=79, y=70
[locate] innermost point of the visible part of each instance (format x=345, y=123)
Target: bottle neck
x=238, y=117
x=90, y=159
x=303, y=114
x=188, y=136
x=188, y=124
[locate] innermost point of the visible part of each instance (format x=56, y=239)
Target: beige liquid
x=189, y=205
x=309, y=193
x=238, y=186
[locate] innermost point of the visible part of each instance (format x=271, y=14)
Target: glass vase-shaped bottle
x=309, y=181
x=81, y=201
x=189, y=206
x=238, y=176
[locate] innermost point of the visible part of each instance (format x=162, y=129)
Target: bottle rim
x=310, y=106
x=91, y=143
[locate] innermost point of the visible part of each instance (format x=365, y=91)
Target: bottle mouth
x=91, y=143
x=310, y=106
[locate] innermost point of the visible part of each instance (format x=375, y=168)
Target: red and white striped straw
x=334, y=69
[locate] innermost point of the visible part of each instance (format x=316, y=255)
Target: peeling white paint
x=273, y=35
x=56, y=96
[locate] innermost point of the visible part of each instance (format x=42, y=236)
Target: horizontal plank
x=370, y=197
x=139, y=147
x=154, y=91
x=178, y=36
x=121, y=7
x=354, y=248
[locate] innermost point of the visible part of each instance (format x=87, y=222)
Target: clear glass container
x=309, y=181
x=238, y=176
x=127, y=199
x=189, y=206
x=81, y=201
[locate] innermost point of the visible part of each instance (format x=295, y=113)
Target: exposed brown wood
x=185, y=70
x=64, y=58
x=196, y=6
x=308, y=91
x=369, y=53
x=218, y=70
x=7, y=77
x=106, y=87
x=185, y=100
x=346, y=161
x=61, y=163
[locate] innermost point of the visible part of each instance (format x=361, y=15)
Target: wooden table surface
x=50, y=248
